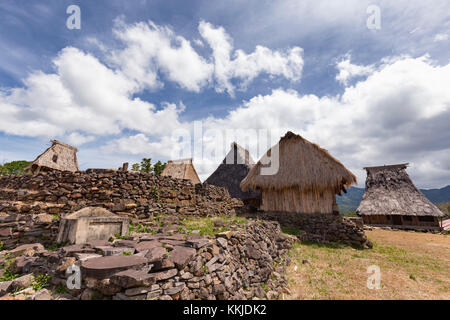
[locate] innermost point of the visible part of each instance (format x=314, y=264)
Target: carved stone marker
x=91, y=223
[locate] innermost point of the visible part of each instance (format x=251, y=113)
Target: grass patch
x=206, y=227
x=412, y=265
x=8, y=275
x=41, y=281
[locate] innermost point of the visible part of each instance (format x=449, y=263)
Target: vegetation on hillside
x=445, y=208
x=13, y=167
x=146, y=166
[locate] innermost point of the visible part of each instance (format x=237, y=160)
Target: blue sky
x=138, y=72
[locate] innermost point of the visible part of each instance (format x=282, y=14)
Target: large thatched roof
x=59, y=156
x=181, y=169
x=302, y=164
x=390, y=191
x=232, y=170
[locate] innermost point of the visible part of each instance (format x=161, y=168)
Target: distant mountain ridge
x=350, y=201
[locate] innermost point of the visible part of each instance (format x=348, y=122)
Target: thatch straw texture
x=59, y=156
x=390, y=191
x=232, y=170
x=181, y=169
x=303, y=165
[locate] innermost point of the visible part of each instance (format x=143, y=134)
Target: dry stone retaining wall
x=321, y=228
x=30, y=205
x=245, y=263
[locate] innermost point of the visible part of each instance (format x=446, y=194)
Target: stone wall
x=245, y=263
x=321, y=228
x=31, y=205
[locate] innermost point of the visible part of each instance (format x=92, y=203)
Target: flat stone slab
x=155, y=254
x=180, y=256
x=197, y=243
x=104, y=267
x=164, y=275
x=132, y=278
x=147, y=245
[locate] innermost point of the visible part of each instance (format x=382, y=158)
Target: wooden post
x=125, y=167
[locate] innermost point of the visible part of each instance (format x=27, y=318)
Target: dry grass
x=413, y=266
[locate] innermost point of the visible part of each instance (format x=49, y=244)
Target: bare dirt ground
x=413, y=266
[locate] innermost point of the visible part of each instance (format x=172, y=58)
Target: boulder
x=180, y=256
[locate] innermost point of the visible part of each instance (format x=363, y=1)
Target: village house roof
x=59, y=156
x=390, y=191
x=302, y=164
x=181, y=169
x=234, y=167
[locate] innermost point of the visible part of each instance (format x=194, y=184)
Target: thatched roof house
x=59, y=156
x=232, y=170
x=181, y=169
x=307, y=180
x=391, y=198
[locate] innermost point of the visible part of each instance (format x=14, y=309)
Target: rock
x=42, y=294
x=104, y=267
x=114, y=251
x=259, y=292
x=26, y=249
x=222, y=242
x=132, y=278
x=88, y=294
x=164, y=275
x=147, y=245
x=125, y=243
x=175, y=289
x=76, y=248
x=22, y=282
x=253, y=252
x=137, y=291
x=218, y=223
x=66, y=263
x=86, y=256
x=197, y=243
x=5, y=287
x=225, y=234
x=180, y=256
x=44, y=218
x=163, y=264
x=23, y=264
x=165, y=297
x=305, y=261
x=155, y=254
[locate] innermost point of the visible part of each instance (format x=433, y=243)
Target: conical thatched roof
x=59, y=156
x=181, y=169
x=302, y=164
x=232, y=170
x=390, y=191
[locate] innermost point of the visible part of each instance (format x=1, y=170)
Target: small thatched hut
x=181, y=169
x=307, y=180
x=233, y=169
x=59, y=156
x=392, y=199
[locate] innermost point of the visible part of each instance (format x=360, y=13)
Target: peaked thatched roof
x=181, y=169
x=234, y=167
x=59, y=156
x=390, y=191
x=301, y=164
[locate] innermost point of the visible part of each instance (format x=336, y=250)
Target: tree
x=158, y=167
x=14, y=167
x=146, y=165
